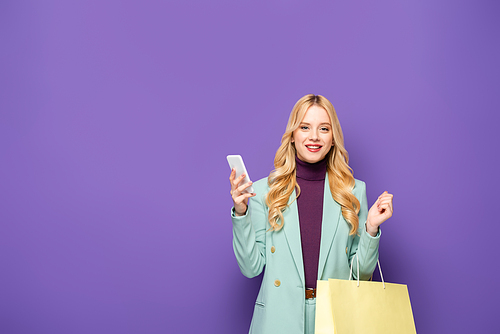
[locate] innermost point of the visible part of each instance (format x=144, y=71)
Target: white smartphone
x=236, y=162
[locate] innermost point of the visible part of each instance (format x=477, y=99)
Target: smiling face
x=313, y=138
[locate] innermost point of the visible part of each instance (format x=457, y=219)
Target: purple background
x=116, y=118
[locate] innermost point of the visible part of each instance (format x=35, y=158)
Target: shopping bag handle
x=357, y=267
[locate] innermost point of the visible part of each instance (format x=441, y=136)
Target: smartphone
x=236, y=162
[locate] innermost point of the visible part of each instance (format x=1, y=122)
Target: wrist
x=237, y=214
x=370, y=229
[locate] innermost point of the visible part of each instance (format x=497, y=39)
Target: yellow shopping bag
x=364, y=308
x=324, y=319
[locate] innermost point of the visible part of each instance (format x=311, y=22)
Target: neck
x=311, y=171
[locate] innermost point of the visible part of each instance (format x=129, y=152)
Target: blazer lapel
x=331, y=216
x=292, y=234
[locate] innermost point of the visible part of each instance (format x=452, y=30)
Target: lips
x=313, y=148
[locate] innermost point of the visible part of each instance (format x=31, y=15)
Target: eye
x=324, y=128
x=304, y=127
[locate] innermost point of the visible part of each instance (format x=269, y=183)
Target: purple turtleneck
x=311, y=179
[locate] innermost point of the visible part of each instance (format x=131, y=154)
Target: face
x=314, y=137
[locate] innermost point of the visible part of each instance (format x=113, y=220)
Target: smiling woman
x=313, y=138
x=303, y=222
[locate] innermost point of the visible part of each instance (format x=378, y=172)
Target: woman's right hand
x=240, y=199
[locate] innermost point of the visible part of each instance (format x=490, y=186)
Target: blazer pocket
x=260, y=304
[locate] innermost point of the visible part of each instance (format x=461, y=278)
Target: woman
x=305, y=222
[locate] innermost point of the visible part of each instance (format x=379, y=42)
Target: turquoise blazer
x=280, y=305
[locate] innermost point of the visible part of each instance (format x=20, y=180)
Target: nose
x=313, y=134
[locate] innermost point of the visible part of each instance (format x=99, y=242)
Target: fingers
x=240, y=189
x=237, y=192
x=236, y=188
x=384, y=203
x=244, y=186
x=237, y=181
x=240, y=198
x=385, y=209
x=381, y=210
x=385, y=196
x=246, y=195
x=231, y=176
x=241, y=203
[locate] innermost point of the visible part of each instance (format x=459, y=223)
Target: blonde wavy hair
x=282, y=180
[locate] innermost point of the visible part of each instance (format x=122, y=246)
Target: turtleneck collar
x=313, y=172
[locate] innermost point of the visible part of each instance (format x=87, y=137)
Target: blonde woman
x=305, y=222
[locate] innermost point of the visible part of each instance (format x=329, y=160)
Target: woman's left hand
x=380, y=211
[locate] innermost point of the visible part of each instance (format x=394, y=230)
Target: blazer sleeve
x=364, y=246
x=249, y=233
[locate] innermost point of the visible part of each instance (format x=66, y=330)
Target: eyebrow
x=324, y=123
